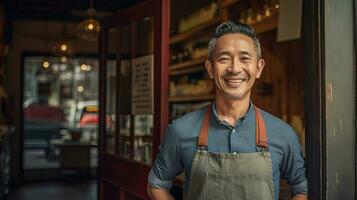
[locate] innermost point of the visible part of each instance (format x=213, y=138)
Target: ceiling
x=64, y=10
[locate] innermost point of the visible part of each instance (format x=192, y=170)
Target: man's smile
x=233, y=81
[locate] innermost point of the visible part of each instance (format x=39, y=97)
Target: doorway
x=60, y=117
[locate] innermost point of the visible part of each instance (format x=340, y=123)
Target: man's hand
x=159, y=194
x=299, y=197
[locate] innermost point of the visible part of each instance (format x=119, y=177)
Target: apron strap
x=203, y=137
x=260, y=130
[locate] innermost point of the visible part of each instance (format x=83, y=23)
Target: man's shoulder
x=189, y=121
x=191, y=117
x=277, y=127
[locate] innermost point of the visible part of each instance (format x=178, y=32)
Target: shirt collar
x=239, y=121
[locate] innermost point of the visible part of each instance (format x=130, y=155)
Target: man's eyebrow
x=223, y=53
x=245, y=53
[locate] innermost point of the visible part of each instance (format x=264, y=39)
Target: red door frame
x=127, y=179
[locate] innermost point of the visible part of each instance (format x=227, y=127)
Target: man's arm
x=299, y=197
x=158, y=194
x=165, y=167
x=293, y=166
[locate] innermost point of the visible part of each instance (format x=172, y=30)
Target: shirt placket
x=233, y=138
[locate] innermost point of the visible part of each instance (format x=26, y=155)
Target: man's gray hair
x=231, y=27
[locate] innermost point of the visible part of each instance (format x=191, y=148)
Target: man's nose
x=236, y=66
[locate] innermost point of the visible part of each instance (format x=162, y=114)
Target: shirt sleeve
x=167, y=164
x=293, y=165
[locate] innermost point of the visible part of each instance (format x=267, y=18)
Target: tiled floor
x=75, y=190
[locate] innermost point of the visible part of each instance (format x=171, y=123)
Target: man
x=231, y=149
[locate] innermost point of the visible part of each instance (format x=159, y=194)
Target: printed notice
x=142, y=85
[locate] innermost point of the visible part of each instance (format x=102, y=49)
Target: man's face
x=234, y=66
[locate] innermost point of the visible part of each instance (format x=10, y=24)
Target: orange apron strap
x=203, y=137
x=260, y=131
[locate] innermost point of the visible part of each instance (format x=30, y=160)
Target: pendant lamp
x=63, y=47
x=88, y=29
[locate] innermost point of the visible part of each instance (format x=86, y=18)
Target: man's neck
x=231, y=110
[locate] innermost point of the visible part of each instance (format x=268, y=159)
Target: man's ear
x=209, y=68
x=260, y=67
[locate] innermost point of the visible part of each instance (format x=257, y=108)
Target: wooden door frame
x=320, y=31
x=116, y=168
x=314, y=97
x=355, y=54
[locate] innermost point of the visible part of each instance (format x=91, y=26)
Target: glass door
x=133, y=96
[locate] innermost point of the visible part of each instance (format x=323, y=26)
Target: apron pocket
x=237, y=187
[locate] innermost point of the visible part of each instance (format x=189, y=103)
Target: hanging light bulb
x=89, y=29
x=90, y=26
x=63, y=47
x=45, y=64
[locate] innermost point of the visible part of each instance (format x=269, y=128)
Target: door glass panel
x=145, y=37
x=124, y=136
x=143, y=120
x=111, y=92
x=125, y=147
x=143, y=138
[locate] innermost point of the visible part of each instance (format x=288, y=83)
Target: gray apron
x=232, y=176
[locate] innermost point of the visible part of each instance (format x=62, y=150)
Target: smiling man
x=230, y=150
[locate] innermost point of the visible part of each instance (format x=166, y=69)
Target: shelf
x=205, y=97
x=266, y=24
x=186, y=64
x=202, y=27
x=187, y=71
x=194, y=31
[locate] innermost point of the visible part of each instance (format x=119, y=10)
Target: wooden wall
x=284, y=72
x=284, y=69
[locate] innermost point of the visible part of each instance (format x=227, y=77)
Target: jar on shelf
x=249, y=16
x=173, y=59
x=186, y=55
x=266, y=10
x=243, y=17
x=180, y=57
x=275, y=4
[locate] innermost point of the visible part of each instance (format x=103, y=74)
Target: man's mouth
x=234, y=82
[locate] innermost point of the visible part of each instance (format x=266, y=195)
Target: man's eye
x=224, y=59
x=245, y=59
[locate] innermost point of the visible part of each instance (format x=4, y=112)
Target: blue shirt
x=179, y=147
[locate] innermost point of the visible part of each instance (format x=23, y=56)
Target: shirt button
x=233, y=131
x=234, y=152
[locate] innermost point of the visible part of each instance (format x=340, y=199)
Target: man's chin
x=234, y=96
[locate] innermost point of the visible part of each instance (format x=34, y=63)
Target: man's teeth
x=235, y=81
